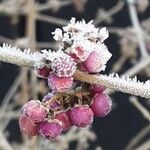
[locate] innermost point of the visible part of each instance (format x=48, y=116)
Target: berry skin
x=95, y=88
x=27, y=126
x=50, y=130
x=64, y=66
x=43, y=72
x=81, y=116
x=101, y=105
x=35, y=111
x=60, y=84
x=93, y=63
x=64, y=117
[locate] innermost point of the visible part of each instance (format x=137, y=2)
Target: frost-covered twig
x=126, y=85
x=123, y=84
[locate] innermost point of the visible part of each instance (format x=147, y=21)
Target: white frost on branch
x=15, y=55
x=26, y=58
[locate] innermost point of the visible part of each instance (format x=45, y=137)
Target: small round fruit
x=64, y=117
x=81, y=116
x=60, y=84
x=27, y=126
x=43, y=72
x=35, y=111
x=95, y=88
x=50, y=130
x=101, y=104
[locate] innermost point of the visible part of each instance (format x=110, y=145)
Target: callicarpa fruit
x=60, y=84
x=64, y=118
x=69, y=101
x=50, y=129
x=43, y=72
x=35, y=111
x=101, y=105
x=27, y=126
x=81, y=116
x=64, y=66
x=95, y=88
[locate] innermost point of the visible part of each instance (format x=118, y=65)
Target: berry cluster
x=69, y=102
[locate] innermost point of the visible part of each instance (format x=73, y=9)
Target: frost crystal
x=64, y=66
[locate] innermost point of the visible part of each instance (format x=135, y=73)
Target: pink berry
x=101, y=104
x=95, y=88
x=81, y=116
x=64, y=117
x=35, y=111
x=64, y=66
x=27, y=126
x=50, y=130
x=60, y=84
x=79, y=53
x=93, y=63
x=43, y=72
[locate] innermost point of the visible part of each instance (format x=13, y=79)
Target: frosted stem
x=124, y=84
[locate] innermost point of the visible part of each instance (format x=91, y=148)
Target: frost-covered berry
x=64, y=66
x=64, y=117
x=101, y=105
x=27, y=126
x=43, y=72
x=59, y=84
x=97, y=59
x=93, y=63
x=81, y=116
x=50, y=130
x=80, y=51
x=95, y=88
x=35, y=111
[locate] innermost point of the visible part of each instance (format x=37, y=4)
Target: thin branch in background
x=140, y=107
x=135, y=140
x=136, y=25
x=103, y=15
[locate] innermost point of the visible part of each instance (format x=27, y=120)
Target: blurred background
x=29, y=23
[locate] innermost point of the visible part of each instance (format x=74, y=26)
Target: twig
x=144, y=146
x=136, y=24
x=141, y=108
x=138, y=138
x=51, y=19
x=116, y=83
x=4, y=145
x=110, y=12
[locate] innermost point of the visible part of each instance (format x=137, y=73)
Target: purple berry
x=64, y=117
x=43, y=72
x=101, y=105
x=50, y=130
x=93, y=63
x=61, y=84
x=27, y=126
x=35, y=111
x=95, y=88
x=81, y=116
x=64, y=66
